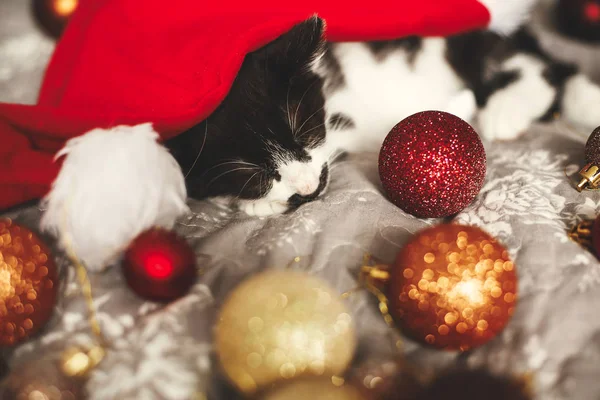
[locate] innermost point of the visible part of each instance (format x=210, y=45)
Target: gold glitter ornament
x=282, y=324
x=28, y=283
x=453, y=287
x=314, y=389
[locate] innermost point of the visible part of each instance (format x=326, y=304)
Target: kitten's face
x=267, y=140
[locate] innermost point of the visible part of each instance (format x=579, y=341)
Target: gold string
x=75, y=362
x=86, y=290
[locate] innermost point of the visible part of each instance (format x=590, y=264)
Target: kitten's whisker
x=311, y=129
x=228, y=172
x=230, y=162
x=200, y=151
x=335, y=155
x=248, y=181
x=288, y=106
x=299, y=104
x=308, y=119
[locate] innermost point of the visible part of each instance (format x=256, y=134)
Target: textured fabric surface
x=130, y=62
x=526, y=202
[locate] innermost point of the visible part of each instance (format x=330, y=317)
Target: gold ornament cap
x=590, y=177
x=582, y=234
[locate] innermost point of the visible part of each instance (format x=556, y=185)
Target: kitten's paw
x=501, y=120
x=510, y=111
x=262, y=207
x=580, y=101
x=463, y=105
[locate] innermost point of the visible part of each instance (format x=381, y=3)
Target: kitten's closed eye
x=266, y=144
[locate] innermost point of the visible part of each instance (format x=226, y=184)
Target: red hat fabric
x=127, y=62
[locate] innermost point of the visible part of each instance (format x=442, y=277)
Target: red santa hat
x=128, y=74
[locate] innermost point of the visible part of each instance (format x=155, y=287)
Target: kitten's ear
x=298, y=47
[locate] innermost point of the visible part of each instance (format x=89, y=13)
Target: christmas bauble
x=314, y=389
x=28, y=283
x=159, y=265
x=592, y=148
x=453, y=287
x=41, y=379
x=474, y=385
x=282, y=324
x=590, y=173
x=53, y=15
x=579, y=18
x=432, y=164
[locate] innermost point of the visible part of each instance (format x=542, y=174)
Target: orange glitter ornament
x=28, y=279
x=453, y=287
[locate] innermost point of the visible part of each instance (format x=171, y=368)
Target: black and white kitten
x=299, y=100
x=265, y=145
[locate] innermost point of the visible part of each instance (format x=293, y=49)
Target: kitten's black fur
x=476, y=56
x=274, y=110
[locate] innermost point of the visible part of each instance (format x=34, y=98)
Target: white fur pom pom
x=507, y=15
x=113, y=185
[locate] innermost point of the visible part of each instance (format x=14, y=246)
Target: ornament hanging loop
x=373, y=276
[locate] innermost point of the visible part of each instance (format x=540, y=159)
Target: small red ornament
x=159, y=265
x=432, y=164
x=28, y=283
x=453, y=287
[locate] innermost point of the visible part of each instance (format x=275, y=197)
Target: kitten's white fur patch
x=581, y=102
x=507, y=15
x=296, y=178
x=511, y=110
x=380, y=93
x=463, y=105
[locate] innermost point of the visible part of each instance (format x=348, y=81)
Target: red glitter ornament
x=28, y=283
x=432, y=164
x=159, y=265
x=453, y=287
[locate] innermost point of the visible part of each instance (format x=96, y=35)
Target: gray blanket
x=165, y=352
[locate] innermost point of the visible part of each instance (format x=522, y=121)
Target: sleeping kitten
x=265, y=145
x=298, y=101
